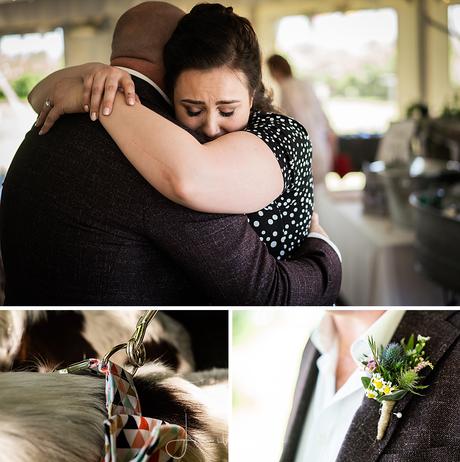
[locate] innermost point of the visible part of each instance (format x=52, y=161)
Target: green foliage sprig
x=395, y=369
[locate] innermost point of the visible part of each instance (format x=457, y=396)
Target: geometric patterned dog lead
x=130, y=437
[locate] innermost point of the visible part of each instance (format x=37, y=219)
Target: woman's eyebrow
x=194, y=101
x=191, y=101
x=230, y=101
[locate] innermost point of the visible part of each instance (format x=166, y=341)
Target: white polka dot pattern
x=284, y=224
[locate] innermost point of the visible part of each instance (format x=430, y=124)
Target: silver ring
x=48, y=103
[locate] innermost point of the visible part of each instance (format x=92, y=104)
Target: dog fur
x=98, y=330
x=53, y=417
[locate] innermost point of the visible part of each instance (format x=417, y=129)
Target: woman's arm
x=236, y=173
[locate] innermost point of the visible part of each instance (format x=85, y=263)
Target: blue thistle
x=392, y=356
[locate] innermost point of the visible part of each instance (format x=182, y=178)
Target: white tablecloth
x=378, y=256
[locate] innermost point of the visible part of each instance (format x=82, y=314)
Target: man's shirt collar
x=324, y=337
x=381, y=331
x=146, y=79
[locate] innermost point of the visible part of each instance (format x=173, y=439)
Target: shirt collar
x=381, y=331
x=324, y=337
x=148, y=80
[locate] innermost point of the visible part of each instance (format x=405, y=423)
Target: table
x=378, y=256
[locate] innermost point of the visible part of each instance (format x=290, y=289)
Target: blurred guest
x=299, y=101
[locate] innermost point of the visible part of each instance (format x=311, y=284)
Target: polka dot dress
x=284, y=224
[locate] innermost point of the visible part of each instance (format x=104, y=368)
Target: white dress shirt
x=330, y=412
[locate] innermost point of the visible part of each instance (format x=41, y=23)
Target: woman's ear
x=251, y=100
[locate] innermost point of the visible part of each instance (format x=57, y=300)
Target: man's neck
x=150, y=70
x=350, y=325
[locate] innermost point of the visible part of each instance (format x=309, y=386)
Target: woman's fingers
x=127, y=85
x=67, y=98
x=87, y=86
x=104, y=86
x=118, y=82
x=47, y=106
x=97, y=94
x=50, y=119
x=110, y=91
x=97, y=91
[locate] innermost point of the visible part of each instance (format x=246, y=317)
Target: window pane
x=454, y=45
x=351, y=60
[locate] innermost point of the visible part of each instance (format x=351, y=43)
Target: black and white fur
x=53, y=417
x=46, y=340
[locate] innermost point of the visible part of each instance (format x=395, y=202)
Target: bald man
x=80, y=226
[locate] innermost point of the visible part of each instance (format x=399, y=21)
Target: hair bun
x=229, y=9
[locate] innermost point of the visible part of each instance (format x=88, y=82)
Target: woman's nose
x=211, y=127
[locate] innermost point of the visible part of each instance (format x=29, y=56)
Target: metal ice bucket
x=437, y=237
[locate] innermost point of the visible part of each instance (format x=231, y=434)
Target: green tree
x=24, y=84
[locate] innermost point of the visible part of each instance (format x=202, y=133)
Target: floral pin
x=394, y=371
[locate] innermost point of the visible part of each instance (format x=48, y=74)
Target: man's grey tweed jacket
x=429, y=429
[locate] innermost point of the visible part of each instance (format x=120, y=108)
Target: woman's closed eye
x=193, y=113
x=226, y=113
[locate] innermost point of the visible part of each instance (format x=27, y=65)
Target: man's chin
x=353, y=313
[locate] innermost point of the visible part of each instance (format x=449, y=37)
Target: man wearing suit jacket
x=329, y=425
x=80, y=226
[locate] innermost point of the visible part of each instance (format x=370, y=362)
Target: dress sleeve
x=288, y=141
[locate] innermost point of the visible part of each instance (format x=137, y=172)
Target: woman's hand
x=102, y=85
x=315, y=227
x=70, y=95
x=67, y=98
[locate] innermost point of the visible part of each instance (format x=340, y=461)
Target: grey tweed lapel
x=305, y=386
x=360, y=444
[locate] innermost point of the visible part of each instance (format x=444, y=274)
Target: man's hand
x=315, y=227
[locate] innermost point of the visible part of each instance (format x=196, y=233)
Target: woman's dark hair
x=211, y=36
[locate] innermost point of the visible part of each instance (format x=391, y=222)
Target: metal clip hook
x=76, y=368
x=107, y=356
x=135, y=350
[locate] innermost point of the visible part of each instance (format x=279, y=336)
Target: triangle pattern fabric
x=143, y=424
x=129, y=436
x=122, y=441
x=130, y=423
x=138, y=441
